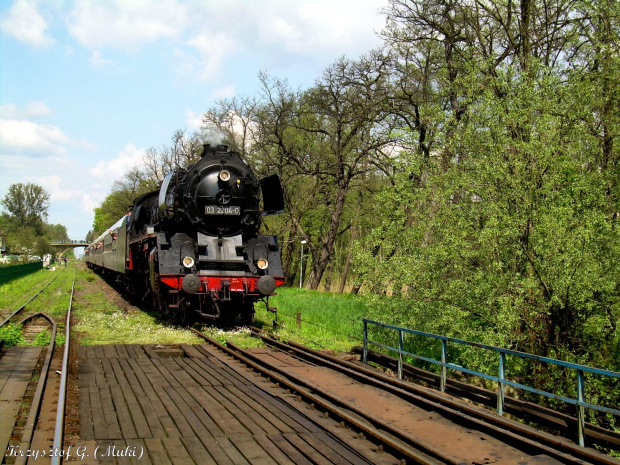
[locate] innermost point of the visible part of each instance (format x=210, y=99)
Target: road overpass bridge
x=68, y=244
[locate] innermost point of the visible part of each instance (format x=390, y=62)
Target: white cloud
x=90, y=202
x=125, y=24
x=21, y=136
x=314, y=28
x=193, y=119
x=97, y=61
x=205, y=60
x=113, y=169
x=23, y=22
x=224, y=92
x=32, y=110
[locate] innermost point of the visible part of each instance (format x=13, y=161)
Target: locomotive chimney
x=208, y=148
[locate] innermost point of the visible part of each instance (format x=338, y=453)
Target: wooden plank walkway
x=16, y=367
x=197, y=409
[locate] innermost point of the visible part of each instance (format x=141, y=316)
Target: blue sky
x=86, y=86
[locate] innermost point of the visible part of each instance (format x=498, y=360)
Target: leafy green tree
x=27, y=205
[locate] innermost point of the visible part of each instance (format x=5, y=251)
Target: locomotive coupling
x=266, y=285
x=191, y=283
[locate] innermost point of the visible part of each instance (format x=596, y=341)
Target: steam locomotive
x=193, y=248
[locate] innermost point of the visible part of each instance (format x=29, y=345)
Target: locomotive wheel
x=184, y=313
x=247, y=319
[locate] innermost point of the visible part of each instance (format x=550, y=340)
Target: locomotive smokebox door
x=273, y=196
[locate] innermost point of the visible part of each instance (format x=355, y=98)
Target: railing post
x=444, y=370
x=581, y=410
x=400, y=354
x=500, y=383
x=365, y=352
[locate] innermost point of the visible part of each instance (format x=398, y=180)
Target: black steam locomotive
x=193, y=247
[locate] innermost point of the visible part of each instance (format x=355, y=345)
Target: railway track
x=281, y=404
x=26, y=400
x=436, y=427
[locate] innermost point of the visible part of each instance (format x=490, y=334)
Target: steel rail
x=378, y=435
x=24, y=306
x=35, y=407
x=59, y=428
x=489, y=421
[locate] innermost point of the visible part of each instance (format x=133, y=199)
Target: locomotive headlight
x=188, y=262
x=262, y=263
x=224, y=175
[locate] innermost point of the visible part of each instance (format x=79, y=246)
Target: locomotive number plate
x=217, y=210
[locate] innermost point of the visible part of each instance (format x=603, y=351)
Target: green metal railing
x=9, y=273
x=500, y=379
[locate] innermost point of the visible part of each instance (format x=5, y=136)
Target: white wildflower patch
x=132, y=328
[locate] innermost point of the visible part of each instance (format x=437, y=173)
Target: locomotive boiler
x=193, y=248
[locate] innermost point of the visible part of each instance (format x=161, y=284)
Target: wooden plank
x=86, y=377
x=98, y=351
x=246, y=414
x=17, y=370
x=176, y=370
x=177, y=452
x=232, y=452
x=195, y=415
x=220, y=375
x=228, y=371
x=274, y=452
x=226, y=422
x=81, y=351
x=141, y=452
x=103, y=455
x=123, y=413
x=150, y=351
x=207, y=373
x=215, y=450
x=160, y=366
x=197, y=450
x=109, y=351
x=122, y=351
x=111, y=420
x=137, y=372
x=131, y=351
x=108, y=372
x=139, y=351
x=98, y=419
x=205, y=418
x=305, y=449
x=286, y=448
x=251, y=449
x=291, y=416
x=335, y=452
x=152, y=373
x=118, y=451
x=98, y=372
x=87, y=433
x=174, y=413
x=157, y=452
x=141, y=425
x=253, y=405
x=90, y=352
x=191, y=351
x=197, y=378
x=160, y=423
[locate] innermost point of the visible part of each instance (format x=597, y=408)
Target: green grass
x=329, y=321
x=16, y=293
x=99, y=321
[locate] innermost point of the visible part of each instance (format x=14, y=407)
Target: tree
x=27, y=204
x=334, y=134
